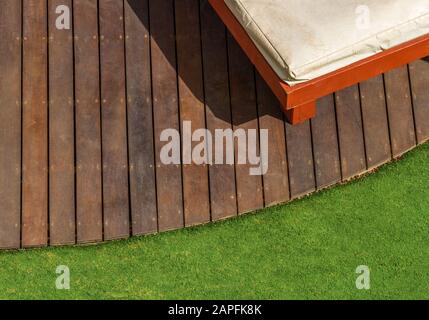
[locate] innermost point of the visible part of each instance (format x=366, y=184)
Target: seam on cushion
x=375, y=35
x=246, y=12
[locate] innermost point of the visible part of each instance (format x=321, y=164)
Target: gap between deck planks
x=82, y=111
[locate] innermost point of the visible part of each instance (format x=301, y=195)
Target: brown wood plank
x=350, y=132
x=375, y=124
x=140, y=118
x=10, y=124
x=61, y=130
x=218, y=111
x=419, y=76
x=325, y=144
x=89, y=214
x=244, y=117
x=166, y=112
x=300, y=159
x=276, y=180
x=191, y=99
x=402, y=134
x=35, y=125
x=114, y=120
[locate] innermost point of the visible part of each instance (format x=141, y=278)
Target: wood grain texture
x=35, y=125
x=61, y=129
x=10, y=124
x=419, y=76
x=223, y=192
x=89, y=206
x=191, y=101
x=402, y=134
x=245, y=119
x=140, y=118
x=300, y=159
x=325, y=144
x=375, y=123
x=276, y=181
x=114, y=120
x=350, y=132
x=166, y=112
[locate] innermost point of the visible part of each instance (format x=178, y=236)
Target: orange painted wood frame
x=299, y=101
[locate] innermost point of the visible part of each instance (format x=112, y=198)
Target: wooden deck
x=82, y=111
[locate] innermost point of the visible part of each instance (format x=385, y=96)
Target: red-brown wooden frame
x=299, y=101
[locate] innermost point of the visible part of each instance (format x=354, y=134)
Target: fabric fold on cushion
x=305, y=39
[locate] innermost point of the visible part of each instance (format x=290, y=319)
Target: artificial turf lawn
x=307, y=249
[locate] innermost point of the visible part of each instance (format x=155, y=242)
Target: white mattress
x=305, y=39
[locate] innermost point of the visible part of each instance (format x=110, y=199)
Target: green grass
x=308, y=249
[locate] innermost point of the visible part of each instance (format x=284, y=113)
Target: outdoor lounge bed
x=306, y=49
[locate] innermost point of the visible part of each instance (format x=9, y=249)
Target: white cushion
x=305, y=39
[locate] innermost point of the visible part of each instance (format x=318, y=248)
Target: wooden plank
x=218, y=111
x=89, y=214
x=140, y=119
x=114, y=120
x=191, y=100
x=300, y=159
x=325, y=144
x=61, y=130
x=276, y=180
x=10, y=124
x=166, y=112
x=244, y=117
x=375, y=124
x=419, y=76
x=350, y=132
x=35, y=125
x=402, y=134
